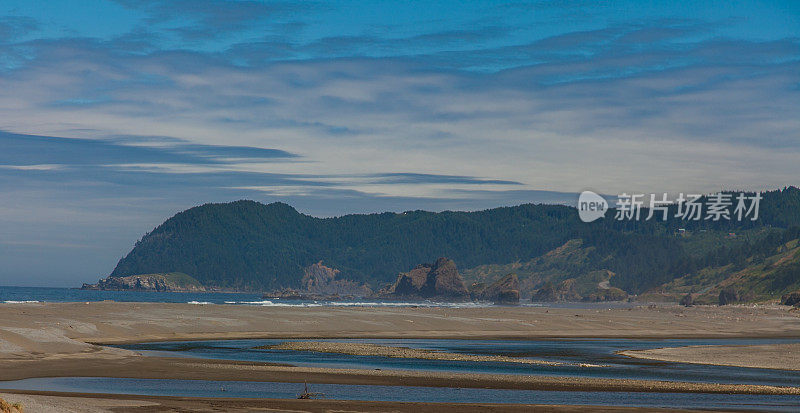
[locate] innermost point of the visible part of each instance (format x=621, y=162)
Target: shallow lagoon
x=210, y=388
x=571, y=352
x=565, y=351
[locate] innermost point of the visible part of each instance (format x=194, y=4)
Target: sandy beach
x=66, y=339
x=92, y=403
x=66, y=328
x=768, y=356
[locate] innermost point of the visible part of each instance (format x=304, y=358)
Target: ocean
x=10, y=294
x=60, y=295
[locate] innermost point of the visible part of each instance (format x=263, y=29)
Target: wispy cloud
x=31, y=150
x=600, y=104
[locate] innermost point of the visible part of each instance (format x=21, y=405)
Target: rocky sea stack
x=322, y=283
x=502, y=291
x=439, y=280
x=791, y=299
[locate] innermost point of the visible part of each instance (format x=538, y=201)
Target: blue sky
x=114, y=115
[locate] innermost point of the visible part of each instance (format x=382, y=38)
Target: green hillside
x=249, y=245
x=757, y=278
x=252, y=246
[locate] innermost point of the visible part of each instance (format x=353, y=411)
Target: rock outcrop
x=606, y=294
x=565, y=291
x=177, y=282
x=322, y=283
x=502, y=291
x=507, y=297
x=791, y=299
x=546, y=294
x=439, y=280
x=319, y=279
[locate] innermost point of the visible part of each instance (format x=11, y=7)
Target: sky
x=116, y=114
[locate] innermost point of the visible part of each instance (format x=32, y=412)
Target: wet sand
x=65, y=339
x=188, y=368
x=66, y=328
x=363, y=349
x=50, y=402
x=767, y=356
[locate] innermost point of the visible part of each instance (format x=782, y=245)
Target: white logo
x=591, y=206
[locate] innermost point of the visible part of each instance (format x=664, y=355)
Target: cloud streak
x=600, y=101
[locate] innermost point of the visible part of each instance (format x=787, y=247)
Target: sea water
x=32, y=295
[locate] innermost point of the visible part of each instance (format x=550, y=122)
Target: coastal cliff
x=176, y=282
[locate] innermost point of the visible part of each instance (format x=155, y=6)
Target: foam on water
x=270, y=303
x=32, y=295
